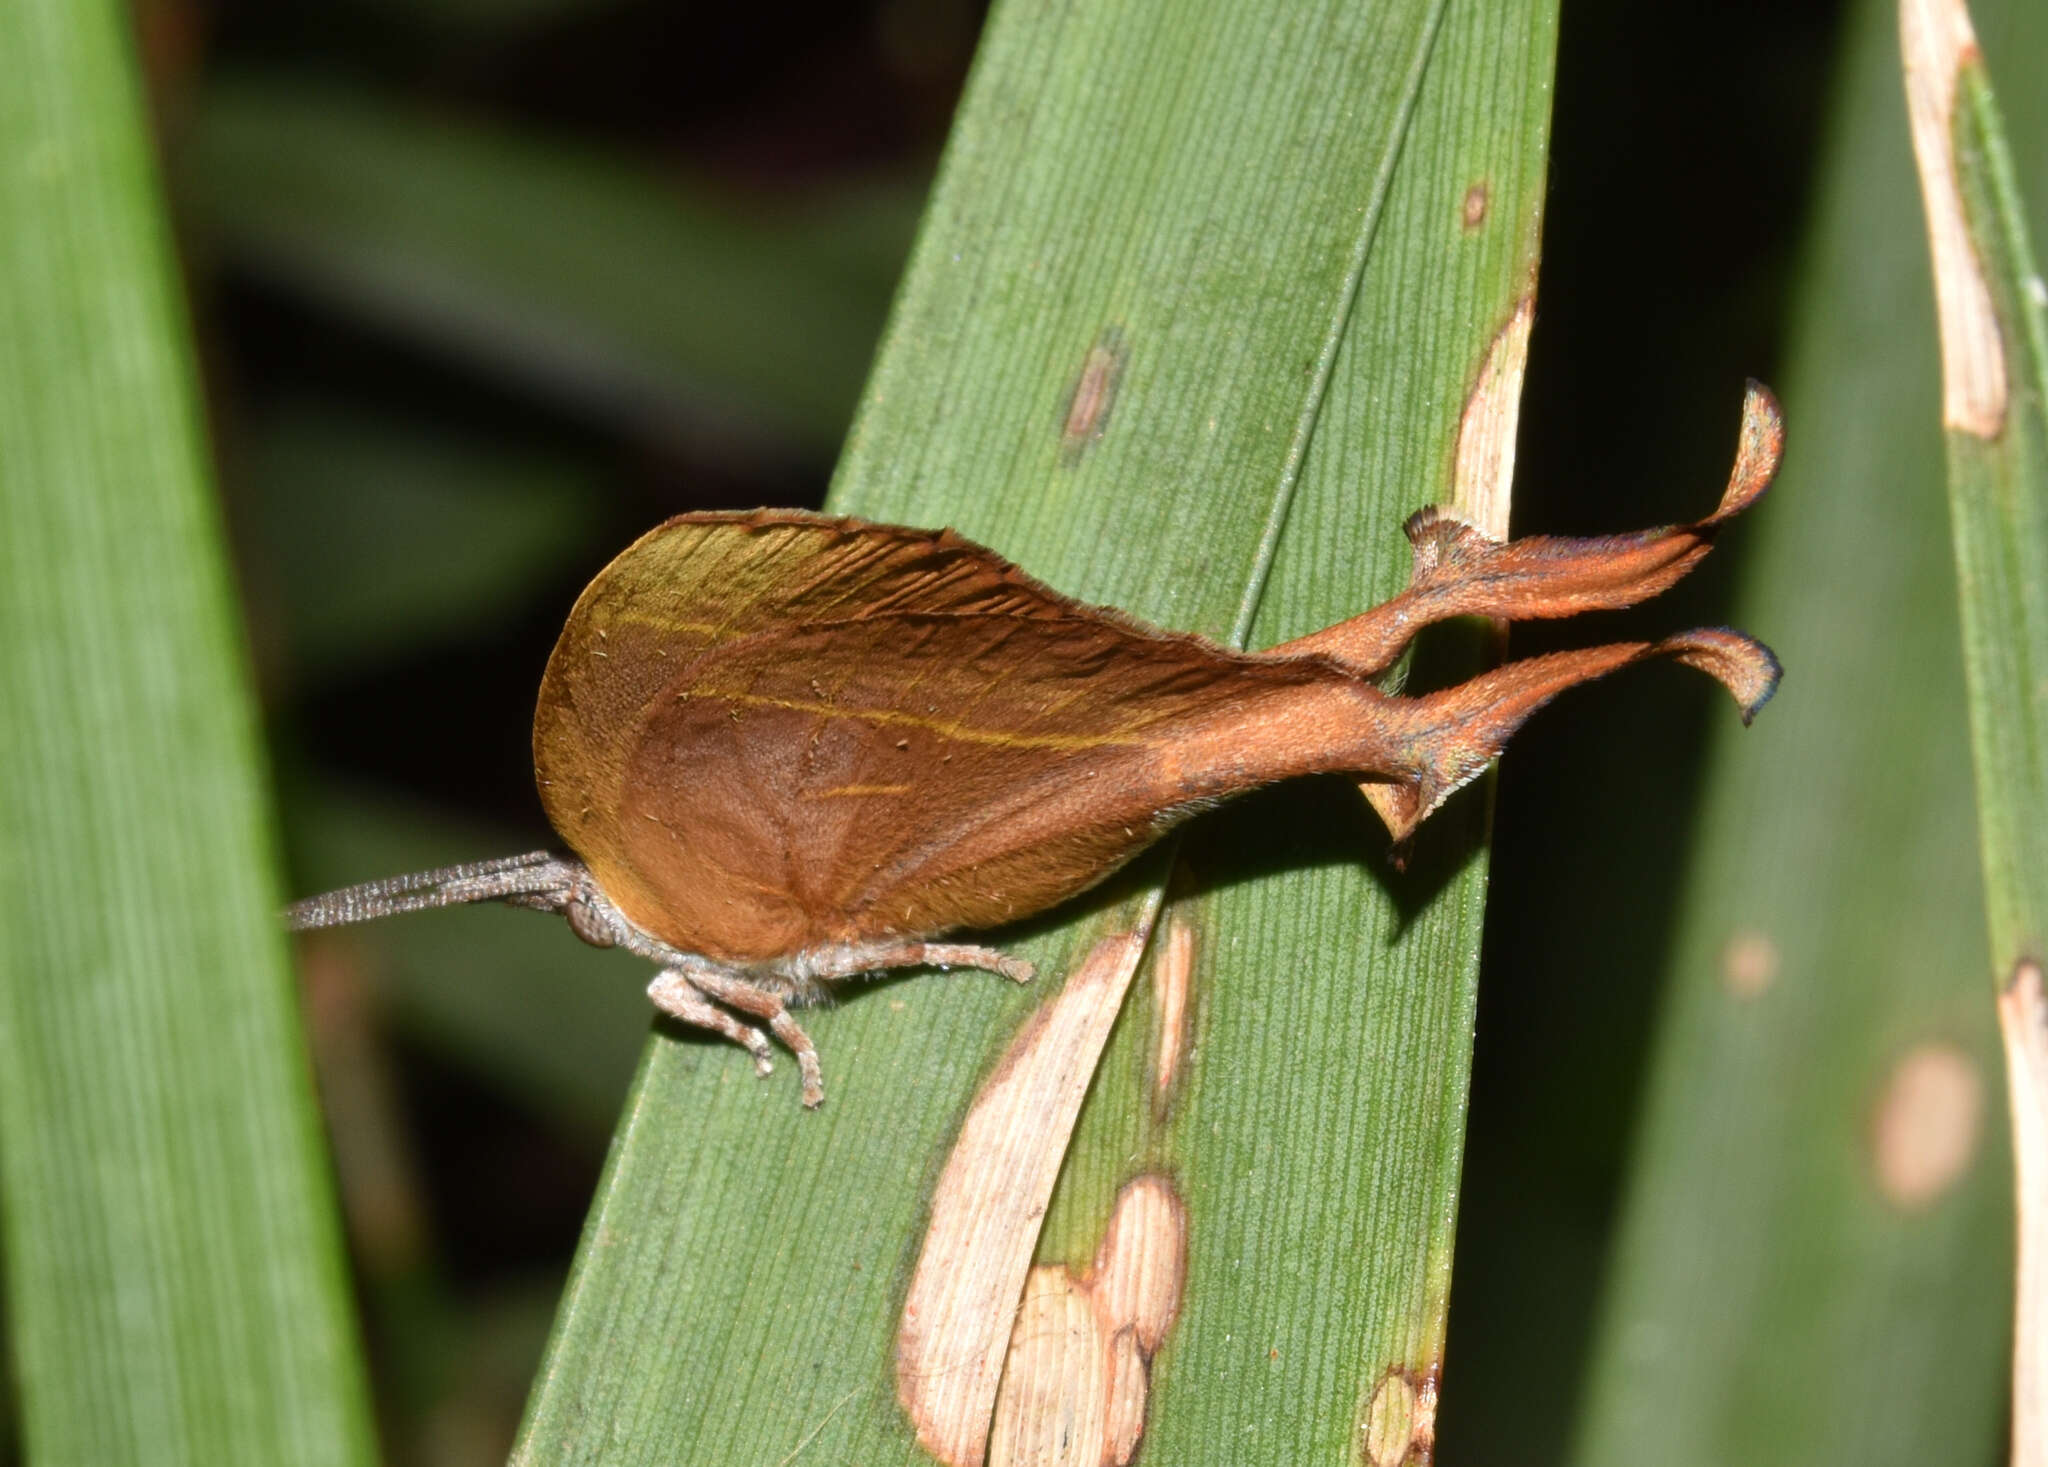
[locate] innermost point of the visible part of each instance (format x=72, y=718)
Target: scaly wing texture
x=909, y=774
x=700, y=580
x=760, y=683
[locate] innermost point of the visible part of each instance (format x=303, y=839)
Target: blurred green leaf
x=175, y=1284
x=518, y=1002
x=1803, y=1273
x=1204, y=200
x=351, y=505
x=584, y=275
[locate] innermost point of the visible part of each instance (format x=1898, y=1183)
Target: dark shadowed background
x=487, y=287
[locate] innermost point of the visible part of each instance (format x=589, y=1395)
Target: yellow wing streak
x=945, y=728
x=666, y=623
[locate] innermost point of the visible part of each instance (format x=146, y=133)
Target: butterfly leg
x=968, y=955
x=759, y=1003
x=848, y=962
x=676, y=995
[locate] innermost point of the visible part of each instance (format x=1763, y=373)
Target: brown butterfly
x=790, y=748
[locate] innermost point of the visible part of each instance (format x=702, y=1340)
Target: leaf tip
x=1936, y=43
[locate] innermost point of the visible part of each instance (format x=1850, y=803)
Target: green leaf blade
x=643, y=300
x=1196, y=196
x=175, y=1282
x=1775, y=1292
x=1998, y=496
x=1994, y=337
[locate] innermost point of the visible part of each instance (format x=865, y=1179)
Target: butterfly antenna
x=539, y=879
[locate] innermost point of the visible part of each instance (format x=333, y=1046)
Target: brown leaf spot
x=1055, y=1396
x=1476, y=200
x=1129, y=1381
x=1094, y=394
x=1937, y=42
x=1924, y=1131
x=1141, y=1264
x=1399, y=1429
x=1173, y=972
x=1485, y=469
x=1749, y=963
x=990, y=1200
x=1075, y=1382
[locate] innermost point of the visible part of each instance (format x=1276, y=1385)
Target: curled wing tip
x=1758, y=452
x=1748, y=669
x=1463, y=728
x=1772, y=673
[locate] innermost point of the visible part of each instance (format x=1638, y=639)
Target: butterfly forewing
x=865, y=733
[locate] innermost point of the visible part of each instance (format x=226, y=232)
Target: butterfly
x=788, y=749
